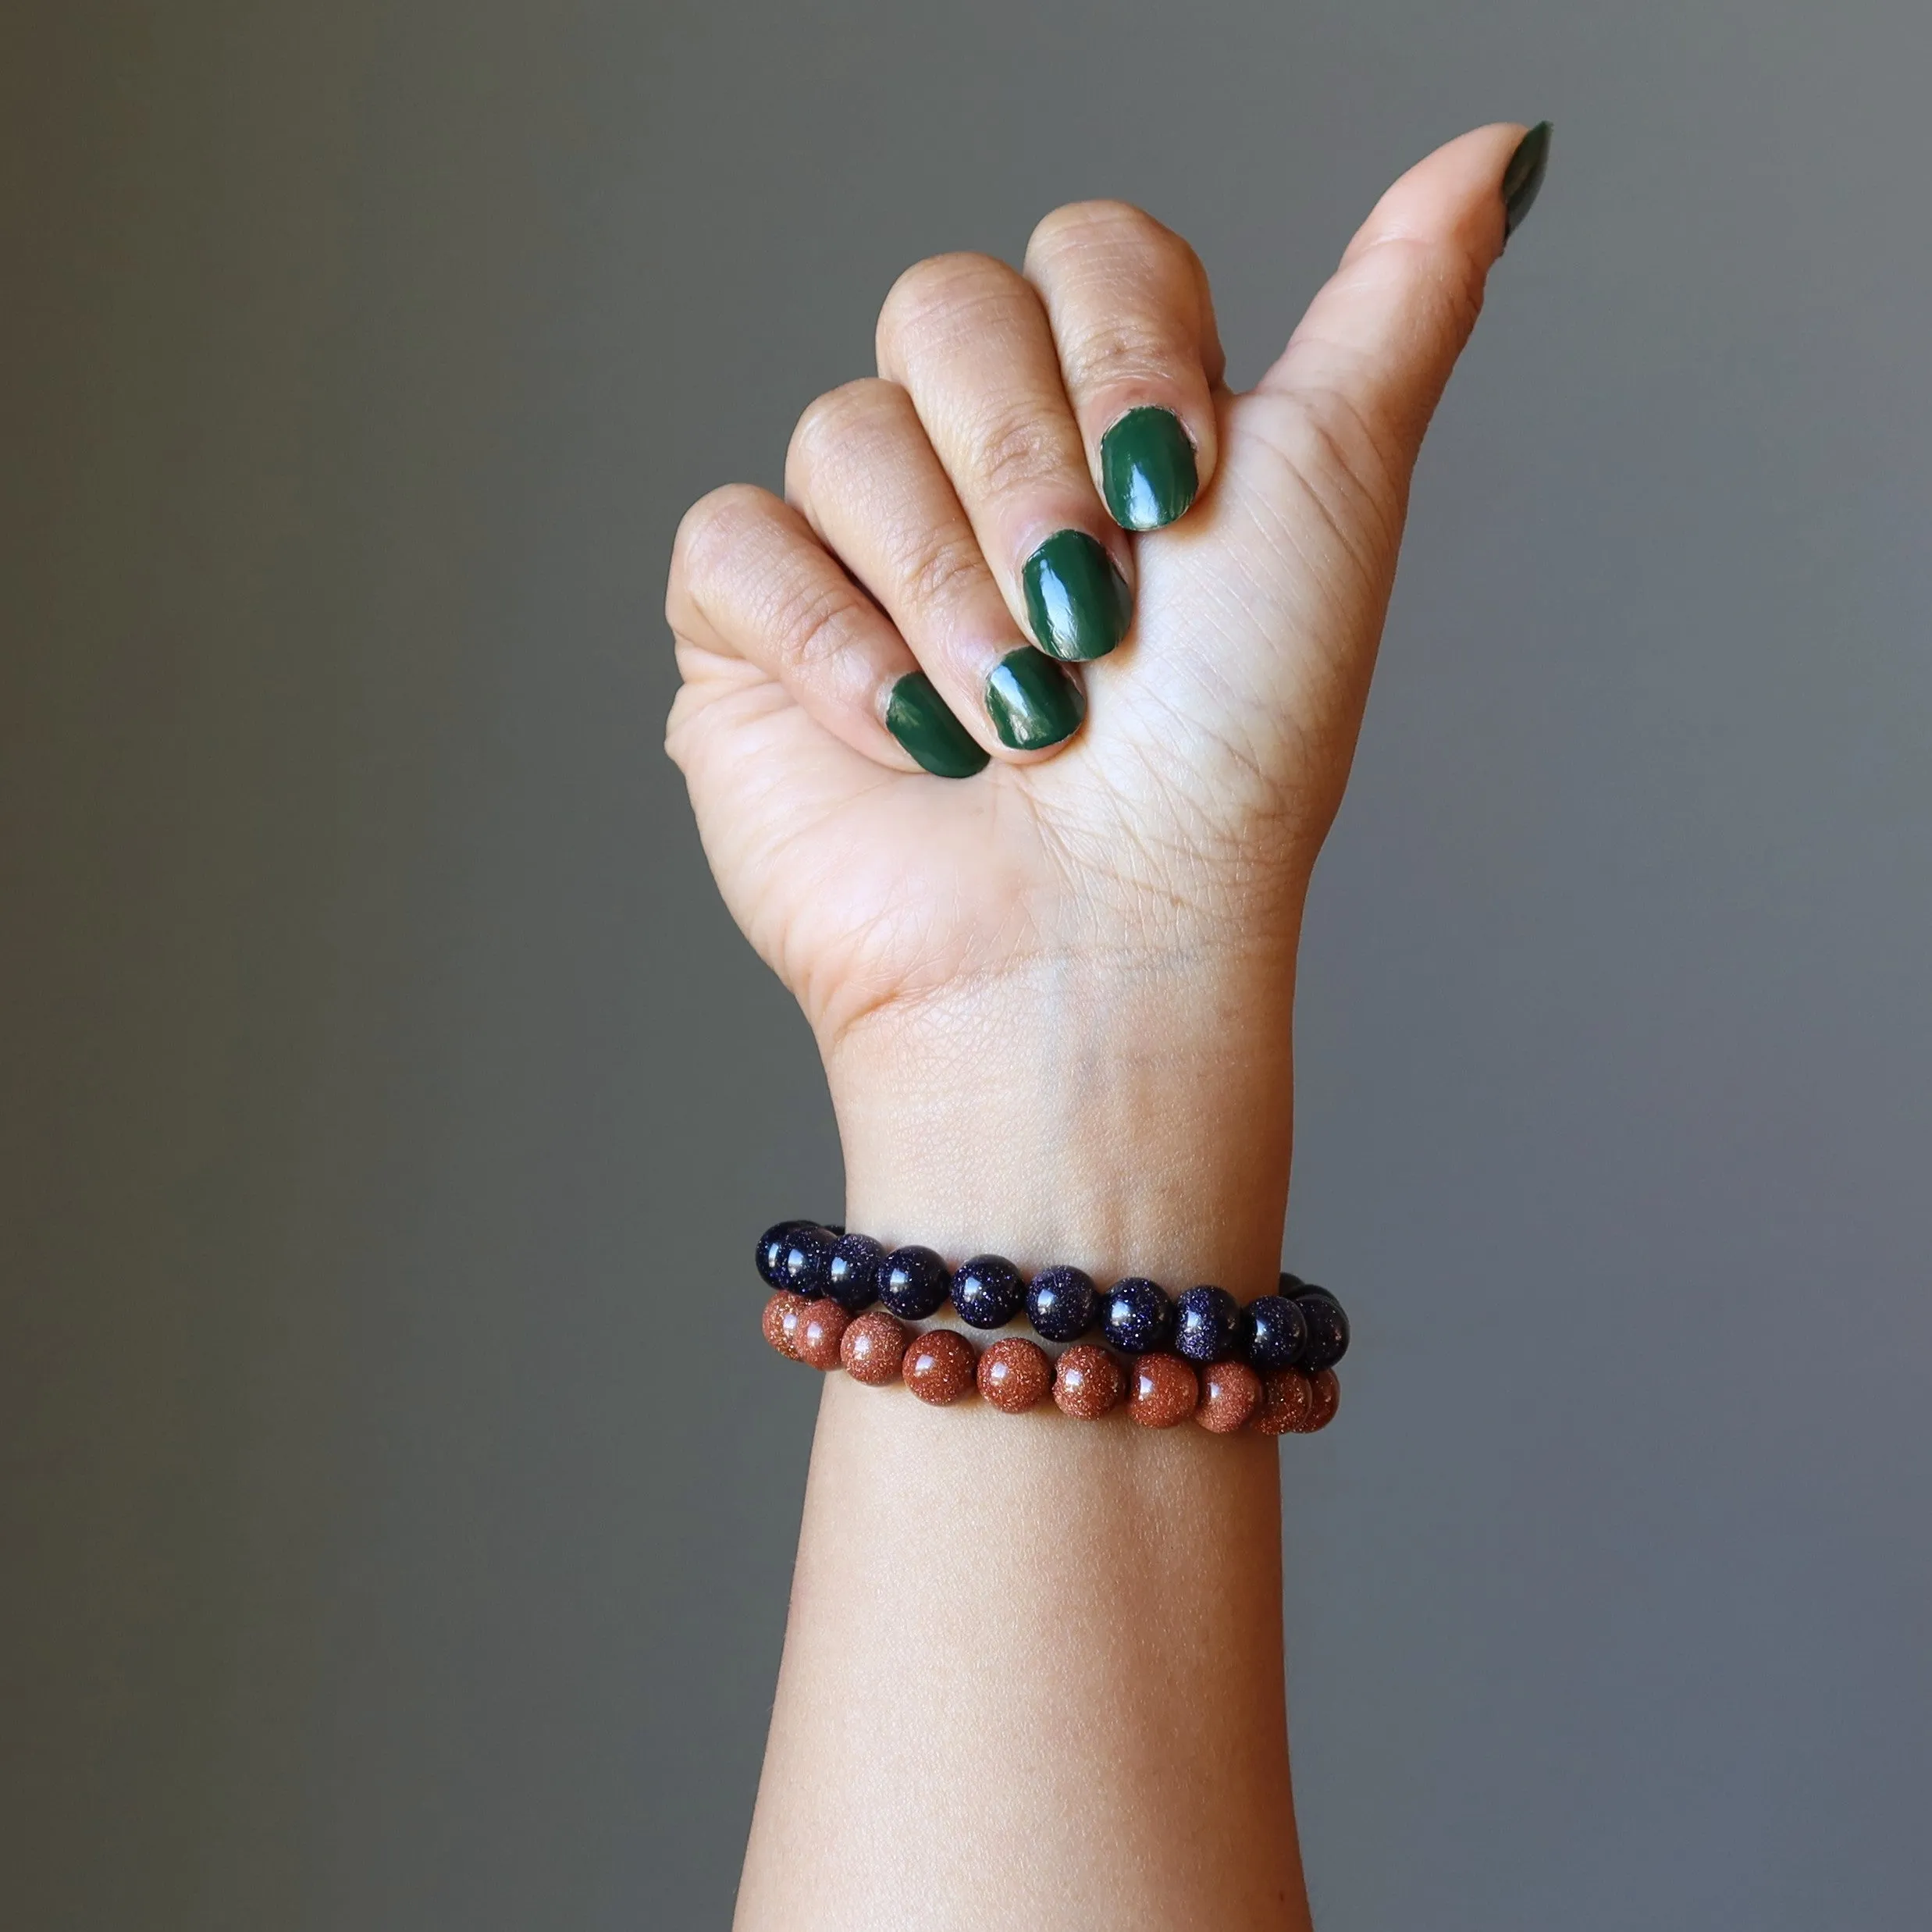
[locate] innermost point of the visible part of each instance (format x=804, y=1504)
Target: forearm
x=1032, y=1676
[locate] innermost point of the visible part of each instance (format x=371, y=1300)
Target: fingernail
x=1033, y=703
x=1077, y=601
x=1524, y=176
x=1146, y=469
x=916, y=715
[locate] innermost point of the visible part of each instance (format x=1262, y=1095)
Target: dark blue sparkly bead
x=1327, y=1329
x=1206, y=1322
x=1135, y=1316
x=852, y=1279
x=771, y=1246
x=1061, y=1304
x=1290, y=1284
x=988, y=1291
x=807, y=1256
x=912, y=1282
x=1276, y=1332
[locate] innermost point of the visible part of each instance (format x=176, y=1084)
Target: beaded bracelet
x=825, y=1281
x=1299, y=1326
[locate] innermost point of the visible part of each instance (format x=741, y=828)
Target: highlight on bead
x=939, y=1366
x=783, y=1313
x=914, y=1282
x=873, y=1347
x=1207, y=1321
x=1087, y=1382
x=989, y=1291
x=1230, y=1392
x=1015, y=1375
x=1163, y=1391
x=821, y=1328
x=1137, y=1316
x=852, y=1276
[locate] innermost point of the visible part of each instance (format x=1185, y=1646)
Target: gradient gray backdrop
x=399, y=1499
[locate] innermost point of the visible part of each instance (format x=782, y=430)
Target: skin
x=1033, y=1674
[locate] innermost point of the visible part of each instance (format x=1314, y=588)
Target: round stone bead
x=806, y=1257
x=988, y=1291
x=1230, y=1392
x=1087, y=1382
x=1287, y=1397
x=1161, y=1391
x=912, y=1282
x=771, y=1246
x=1206, y=1323
x=821, y=1328
x=1135, y=1316
x=1327, y=1398
x=873, y=1347
x=1015, y=1374
x=1061, y=1304
x=851, y=1277
x=783, y=1313
x=1328, y=1329
x=938, y=1366
x=1276, y=1331
x=1291, y=1285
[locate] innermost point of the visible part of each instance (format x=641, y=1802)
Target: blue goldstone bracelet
x=1299, y=1326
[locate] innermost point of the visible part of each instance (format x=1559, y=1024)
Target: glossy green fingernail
x=1523, y=177
x=916, y=715
x=1146, y=469
x=1033, y=702
x=1077, y=601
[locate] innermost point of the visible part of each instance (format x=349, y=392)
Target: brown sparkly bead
x=1286, y=1398
x=873, y=1347
x=1015, y=1374
x=1088, y=1381
x=1161, y=1391
x=938, y=1366
x=783, y=1313
x=1230, y=1392
x=1328, y=1399
x=821, y=1328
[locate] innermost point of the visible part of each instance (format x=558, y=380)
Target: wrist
x=1138, y=1124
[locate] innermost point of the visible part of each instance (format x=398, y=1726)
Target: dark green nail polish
x=1077, y=601
x=1146, y=469
x=916, y=715
x=1523, y=177
x=1033, y=703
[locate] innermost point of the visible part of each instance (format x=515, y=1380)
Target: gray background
x=399, y=1502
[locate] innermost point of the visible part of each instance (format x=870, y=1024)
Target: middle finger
x=968, y=340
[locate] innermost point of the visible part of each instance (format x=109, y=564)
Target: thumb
x=1309, y=501
x=1377, y=345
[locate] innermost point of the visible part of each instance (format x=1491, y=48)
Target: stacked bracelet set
x=1269, y=1367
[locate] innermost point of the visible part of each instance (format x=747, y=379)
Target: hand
x=1053, y=987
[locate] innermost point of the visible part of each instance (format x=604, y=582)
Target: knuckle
x=1125, y=350
x=812, y=624
x=1113, y=226
x=934, y=296
x=1015, y=450
x=709, y=534
x=833, y=419
x=940, y=569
